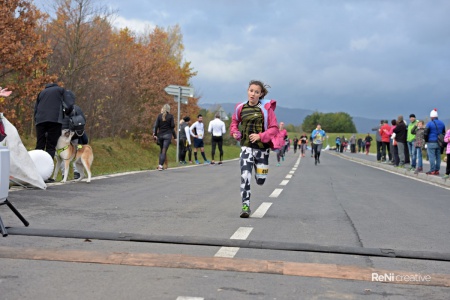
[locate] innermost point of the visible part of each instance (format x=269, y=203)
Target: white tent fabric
x=22, y=167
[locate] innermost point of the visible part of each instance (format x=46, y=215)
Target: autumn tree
x=23, y=60
x=118, y=77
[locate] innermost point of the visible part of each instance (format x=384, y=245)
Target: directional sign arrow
x=175, y=90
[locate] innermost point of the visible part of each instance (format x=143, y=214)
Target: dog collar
x=58, y=151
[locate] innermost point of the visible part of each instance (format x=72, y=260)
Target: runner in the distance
x=318, y=135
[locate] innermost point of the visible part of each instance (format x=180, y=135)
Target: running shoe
x=197, y=162
x=206, y=162
x=445, y=176
x=278, y=164
x=220, y=163
x=245, y=211
x=160, y=168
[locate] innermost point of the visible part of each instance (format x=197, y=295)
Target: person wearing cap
x=433, y=128
x=410, y=139
x=185, y=139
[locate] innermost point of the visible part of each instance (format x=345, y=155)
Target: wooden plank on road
x=332, y=271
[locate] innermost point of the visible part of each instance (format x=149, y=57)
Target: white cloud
x=136, y=25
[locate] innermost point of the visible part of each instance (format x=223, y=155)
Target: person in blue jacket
x=318, y=136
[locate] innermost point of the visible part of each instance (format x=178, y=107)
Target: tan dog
x=66, y=151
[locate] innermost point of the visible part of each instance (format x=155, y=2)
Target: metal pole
x=178, y=122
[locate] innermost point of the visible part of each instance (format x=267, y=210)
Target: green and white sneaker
x=245, y=211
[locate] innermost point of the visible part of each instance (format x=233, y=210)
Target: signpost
x=181, y=94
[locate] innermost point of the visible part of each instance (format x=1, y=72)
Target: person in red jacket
x=258, y=127
x=385, y=130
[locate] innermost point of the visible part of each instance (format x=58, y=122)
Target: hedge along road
x=328, y=231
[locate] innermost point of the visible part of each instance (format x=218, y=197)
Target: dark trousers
x=352, y=148
x=47, y=135
x=396, y=158
x=379, y=143
x=447, y=169
x=385, y=146
x=216, y=140
x=182, y=148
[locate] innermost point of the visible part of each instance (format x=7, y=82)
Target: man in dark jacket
x=48, y=116
x=400, y=136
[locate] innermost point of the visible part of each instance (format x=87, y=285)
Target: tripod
x=16, y=212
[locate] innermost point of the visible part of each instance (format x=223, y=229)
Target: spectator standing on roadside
x=185, y=139
x=385, y=130
x=217, y=128
x=419, y=144
x=49, y=112
x=353, y=144
x=394, y=149
x=198, y=132
x=258, y=127
x=410, y=140
x=434, y=128
x=400, y=136
x=378, y=139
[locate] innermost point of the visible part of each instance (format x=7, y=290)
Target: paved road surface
x=317, y=232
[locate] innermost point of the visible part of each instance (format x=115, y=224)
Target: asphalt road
x=317, y=232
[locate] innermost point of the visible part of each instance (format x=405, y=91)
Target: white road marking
x=189, y=298
x=288, y=176
x=241, y=234
x=262, y=209
x=276, y=193
x=229, y=252
x=284, y=182
x=294, y=169
x=291, y=172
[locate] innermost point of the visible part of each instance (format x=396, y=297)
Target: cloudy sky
x=370, y=58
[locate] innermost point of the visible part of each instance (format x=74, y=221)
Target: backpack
x=77, y=123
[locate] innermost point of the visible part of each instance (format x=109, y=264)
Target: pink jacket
x=447, y=140
x=278, y=140
x=270, y=120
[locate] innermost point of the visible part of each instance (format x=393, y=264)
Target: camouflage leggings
x=250, y=158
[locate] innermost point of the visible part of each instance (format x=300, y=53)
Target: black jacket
x=48, y=107
x=400, y=132
x=163, y=128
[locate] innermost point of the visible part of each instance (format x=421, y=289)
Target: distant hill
x=295, y=116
